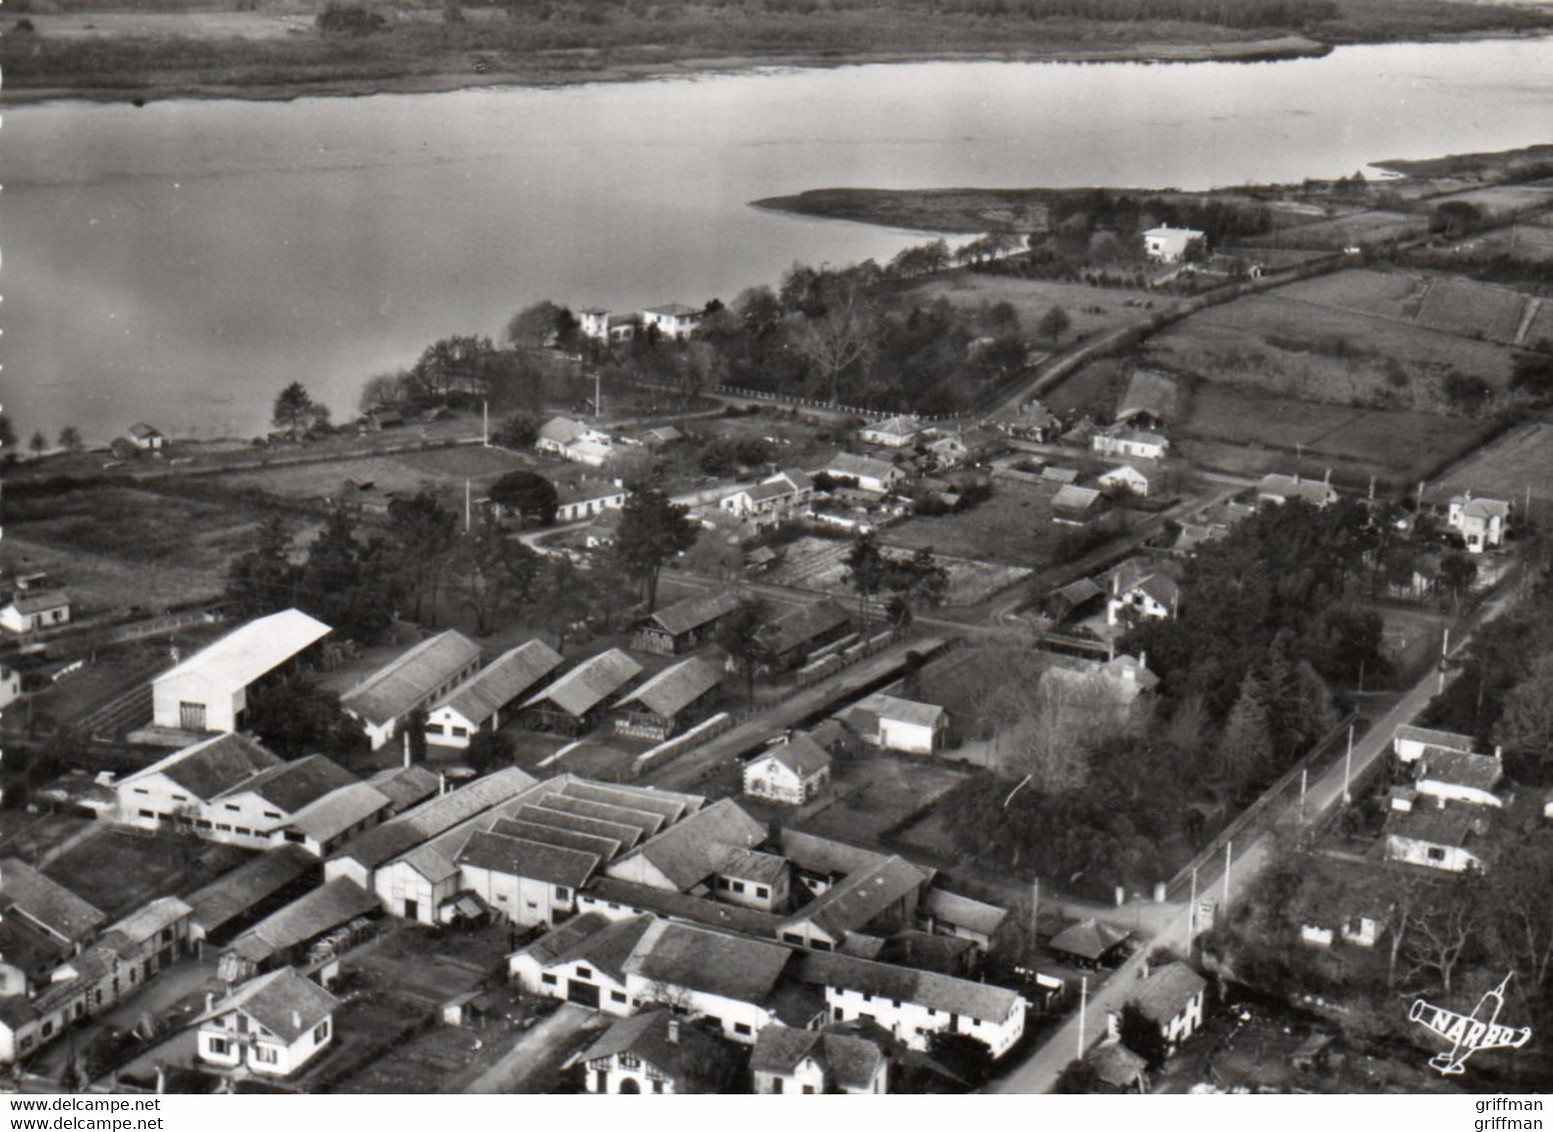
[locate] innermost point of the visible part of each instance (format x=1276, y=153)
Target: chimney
x=407, y=749
x=296, y=1019
x=1143, y=661
x=1498, y=751
x=442, y=783
x=210, y=1001
x=673, y=1030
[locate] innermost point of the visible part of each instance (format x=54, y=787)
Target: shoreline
x=1278, y=49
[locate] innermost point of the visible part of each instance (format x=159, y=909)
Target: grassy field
x=1472, y=309
x=1372, y=227
x=877, y=791
x=1522, y=459
x=1091, y=309
x=819, y=564
x=441, y=469
x=1531, y=238
x=117, y=870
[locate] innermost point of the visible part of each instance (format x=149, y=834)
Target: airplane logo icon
x=1469, y=1033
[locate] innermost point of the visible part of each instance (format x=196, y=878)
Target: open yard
x=876, y=791
x=1519, y=461
x=118, y=869
x=1360, y=228
x=1090, y=308
x=820, y=564
x=1529, y=238
x=439, y=469
x=1013, y=528
x=117, y=547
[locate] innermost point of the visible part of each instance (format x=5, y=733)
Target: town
x=1108, y=656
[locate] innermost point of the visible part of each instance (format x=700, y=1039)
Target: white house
x=1140, y=479
x=772, y=501
x=582, y=961
x=574, y=441
x=1278, y=489
x=1434, y=837
x=603, y=326
x=587, y=498
x=1129, y=443
x=786, y=1060
x=1171, y=997
x=1482, y=523
x=897, y=432
x=1141, y=591
x=480, y=703
x=31, y=610
x=728, y=980
x=898, y=724
x=146, y=436
x=272, y=1025
x=657, y=1052
x=790, y=771
x=673, y=320
x=1410, y=742
x=913, y=1004
x=1459, y=776
x=209, y=690
x=411, y=682
x=870, y=474
x=1168, y=244
x=10, y=686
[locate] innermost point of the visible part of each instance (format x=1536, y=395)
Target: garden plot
x=1475, y=310
x=820, y=564
x=1389, y=294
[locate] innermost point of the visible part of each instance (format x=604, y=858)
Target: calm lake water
x=181, y=262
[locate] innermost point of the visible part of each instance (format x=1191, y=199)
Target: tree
x=293, y=717
x=1246, y=743
x=520, y=430
x=531, y=495
x=867, y=570
x=1054, y=324
x=39, y=443
x=541, y=325
x=1445, y=932
x=7, y=434
x=493, y=573
x=70, y=439
x=263, y=580
x=1142, y=1035
x=295, y=411
x=385, y=391
x=344, y=583
x=1526, y=715
x=742, y=638
x=421, y=532
x=653, y=529
x=1457, y=574
x=490, y=750
x=841, y=340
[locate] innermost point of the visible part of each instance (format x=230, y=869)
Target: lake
x=181, y=262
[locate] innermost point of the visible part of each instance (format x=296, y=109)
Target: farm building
x=250, y=892
x=1168, y=244
x=209, y=690
x=482, y=701
x=897, y=432
x=1029, y=421
x=679, y=855
x=1459, y=776
x=658, y=1052
x=685, y=624
x=1074, y=601
x=1482, y=523
x=671, y=701
x=1076, y=506
x=970, y=447
x=1140, y=478
x=272, y=1025
x=1410, y=742
x=324, y=825
x=1088, y=943
x=284, y=936
x=1435, y=837
x=787, y=1060
x=897, y=724
x=574, y=441
x=529, y=882
x=792, y=637
x=672, y=320
x=878, y=476
x=1278, y=489
x=791, y=771
x=410, y=682
x=1129, y=443
x=950, y=914
x=875, y=901
x=1172, y=998
x=31, y=610
x=570, y=706
x=1151, y=400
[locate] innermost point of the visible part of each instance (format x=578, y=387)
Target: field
x=876, y=791
x=1501, y=200
x=1473, y=309
x=117, y=870
x=1360, y=228
x=114, y=547
x=1316, y=342
x=1519, y=461
x=1248, y=432
x=439, y=469
x=1530, y=238
x=819, y=564
x=1090, y=308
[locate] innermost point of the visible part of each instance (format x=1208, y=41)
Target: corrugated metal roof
x=509, y=676
x=247, y=653
x=589, y=684
x=676, y=687
x=400, y=686
x=694, y=612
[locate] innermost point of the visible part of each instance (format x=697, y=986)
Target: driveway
x=531, y=1064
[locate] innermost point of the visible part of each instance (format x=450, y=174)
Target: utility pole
x=1348, y=767
x=1191, y=913
x=1304, y=776
x=1083, y=1008
x=1035, y=910
x=1228, y=857
x=485, y=424
x=468, y=513
x=1445, y=653
x=598, y=394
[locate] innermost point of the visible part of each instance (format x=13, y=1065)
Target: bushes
x=349, y=19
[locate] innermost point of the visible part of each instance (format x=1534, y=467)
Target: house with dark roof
x=1459, y=776
x=897, y=724
x=31, y=610
x=272, y=1025
x=949, y=913
x=1117, y=1069
x=688, y=854
x=787, y=1060
x=529, y=882
x=1171, y=998
x=656, y=1051
x=685, y=624
x=793, y=636
x=322, y=826
x=1141, y=478
x=1030, y=420
x=412, y=681
x=1076, y=506
x=1088, y=943
x=46, y=904
x=1276, y=489
x=1151, y=399
x=616, y=899
x=869, y=474
x=250, y=892
x=730, y=980
x=878, y=900
x=146, y=436
x=572, y=704
x=574, y=441
x=1481, y=523
x=753, y=879
x=583, y=961
x=482, y=702
x=406, y=787
x=1441, y=837
x=1140, y=590
x=1410, y=742
x=772, y=501
x=176, y=790
x=284, y=936
x=678, y=697
x=896, y=432
x=1074, y=601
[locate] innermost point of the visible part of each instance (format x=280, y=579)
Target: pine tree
x=1245, y=746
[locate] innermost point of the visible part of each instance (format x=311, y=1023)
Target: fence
x=703, y=732
x=815, y=671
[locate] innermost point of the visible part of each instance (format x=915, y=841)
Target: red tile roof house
x=272, y=1025
x=786, y=1060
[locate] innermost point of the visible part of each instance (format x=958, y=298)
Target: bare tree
x=840, y=340
x=1443, y=933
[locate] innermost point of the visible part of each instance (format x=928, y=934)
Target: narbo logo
x=1468, y=1034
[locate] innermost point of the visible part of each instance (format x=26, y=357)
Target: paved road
x=1039, y=1073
